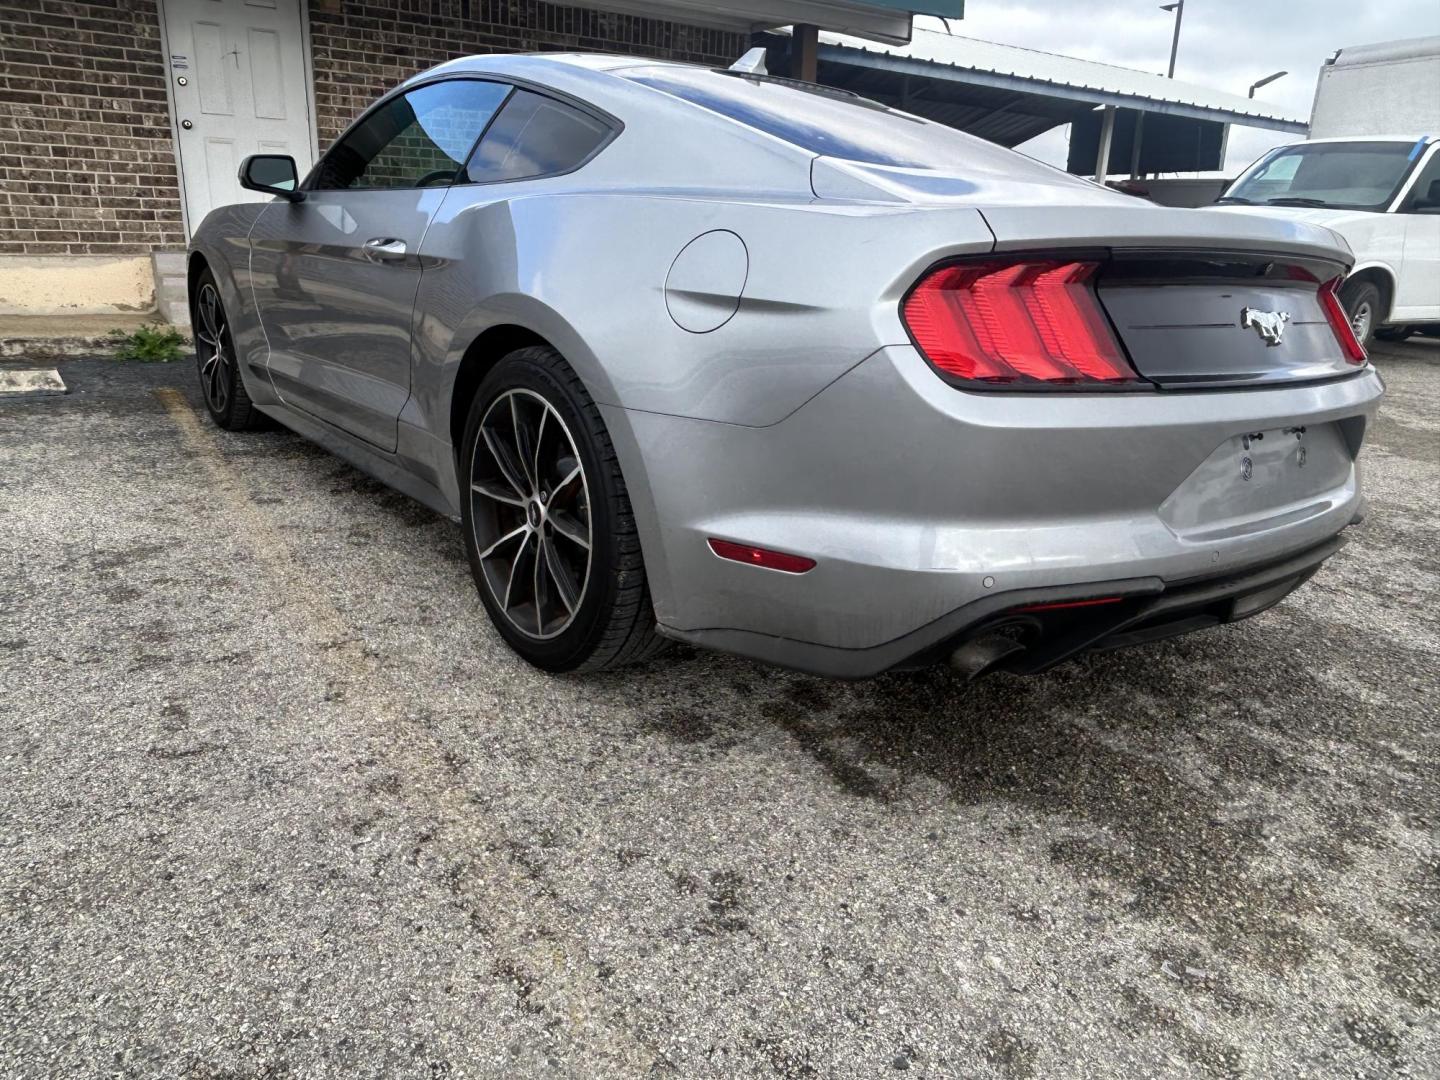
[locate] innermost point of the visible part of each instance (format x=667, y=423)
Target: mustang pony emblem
x=1270, y=325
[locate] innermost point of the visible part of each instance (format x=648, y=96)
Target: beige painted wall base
x=76, y=284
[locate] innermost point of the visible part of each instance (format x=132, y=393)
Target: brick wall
x=87, y=162
x=87, y=166
x=364, y=47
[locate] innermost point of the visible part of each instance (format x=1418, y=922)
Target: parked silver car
x=717, y=357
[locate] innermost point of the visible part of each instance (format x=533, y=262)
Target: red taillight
x=1344, y=332
x=771, y=560
x=1016, y=323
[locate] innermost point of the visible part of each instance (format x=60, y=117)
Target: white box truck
x=1371, y=172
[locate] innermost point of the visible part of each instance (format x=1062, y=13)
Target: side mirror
x=274, y=174
x=1427, y=201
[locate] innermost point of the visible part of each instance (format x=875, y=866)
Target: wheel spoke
x=511, y=535
x=538, y=576
x=208, y=302
x=569, y=529
x=514, y=572
x=523, y=451
x=200, y=336
x=564, y=588
x=570, y=478
x=539, y=442
x=501, y=455
x=491, y=490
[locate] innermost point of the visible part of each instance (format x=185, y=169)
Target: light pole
x=1266, y=81
x=1179, y=9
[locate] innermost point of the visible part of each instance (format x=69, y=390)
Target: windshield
x=1351, y=175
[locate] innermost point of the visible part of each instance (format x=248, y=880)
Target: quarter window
x=535, y=136
x=414, y=140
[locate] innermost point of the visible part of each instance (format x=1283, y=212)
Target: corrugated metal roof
x=880, y=20
x=936, y=55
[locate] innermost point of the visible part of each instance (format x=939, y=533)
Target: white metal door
x=238, y=86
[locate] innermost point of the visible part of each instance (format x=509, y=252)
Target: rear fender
x=790, y=294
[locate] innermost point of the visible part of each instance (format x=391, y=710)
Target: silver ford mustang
x=762, y=366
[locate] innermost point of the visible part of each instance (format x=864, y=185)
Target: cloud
x=1224, y=44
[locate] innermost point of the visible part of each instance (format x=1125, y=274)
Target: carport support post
x=1107, y=136
x=1135, y=145
x=805, y=53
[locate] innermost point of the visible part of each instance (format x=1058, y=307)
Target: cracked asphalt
x=278, y=803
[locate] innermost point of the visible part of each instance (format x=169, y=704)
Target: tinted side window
x=1420, y=193
x=418, y=138
x=535, y=136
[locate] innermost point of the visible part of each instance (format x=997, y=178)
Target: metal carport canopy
x=1033, y=91
x=879, y=20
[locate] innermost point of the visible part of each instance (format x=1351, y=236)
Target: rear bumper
x=920, y=502
x=1147, y=609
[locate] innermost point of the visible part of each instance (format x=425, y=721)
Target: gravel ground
x=278, y=803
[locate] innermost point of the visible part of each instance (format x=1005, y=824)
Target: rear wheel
x=1361, y=301
x=547, y=521
x=220, y=382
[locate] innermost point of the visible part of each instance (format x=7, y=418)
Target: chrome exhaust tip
x=978, y=655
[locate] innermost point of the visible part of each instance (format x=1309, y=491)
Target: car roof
x=1408, y=139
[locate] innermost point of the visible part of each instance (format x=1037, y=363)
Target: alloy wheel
x=530, y=505
x=212, y=348
x=1360, y=321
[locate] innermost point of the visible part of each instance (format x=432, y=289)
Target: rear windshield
x=828, y=122
x=1350, y=175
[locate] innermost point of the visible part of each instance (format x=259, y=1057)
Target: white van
x=1382, y=194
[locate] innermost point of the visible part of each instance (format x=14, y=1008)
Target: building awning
x=875, y=20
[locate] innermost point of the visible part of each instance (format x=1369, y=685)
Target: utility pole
x=1179, y=9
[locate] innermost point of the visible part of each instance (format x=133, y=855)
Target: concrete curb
x=30, y=382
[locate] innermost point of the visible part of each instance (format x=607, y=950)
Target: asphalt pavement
x=278, y=803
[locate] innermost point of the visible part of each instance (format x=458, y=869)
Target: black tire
x=221, y=384
x=612, y=622
x=1361, y=301
x=1394, y=333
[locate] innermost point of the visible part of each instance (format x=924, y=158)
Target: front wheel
x=547, y=521
x=1361, y=301
x=220, y=381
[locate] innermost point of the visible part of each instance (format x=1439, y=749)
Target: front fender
x=223, y=241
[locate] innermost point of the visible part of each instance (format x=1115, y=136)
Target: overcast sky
x=1224, y=44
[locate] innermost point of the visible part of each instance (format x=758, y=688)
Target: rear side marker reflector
x=1071, y=604
x=1034, y=322
x=1340, y=322
x=770, y=560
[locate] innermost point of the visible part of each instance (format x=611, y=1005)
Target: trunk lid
x=1202, y=300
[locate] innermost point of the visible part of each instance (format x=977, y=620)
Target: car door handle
x=384, y=247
